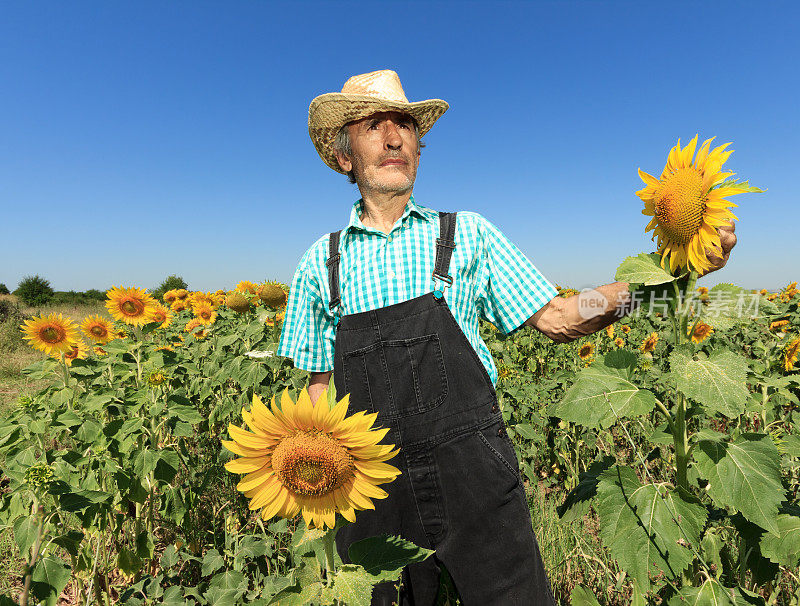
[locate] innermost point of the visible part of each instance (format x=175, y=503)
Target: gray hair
x=342, y=144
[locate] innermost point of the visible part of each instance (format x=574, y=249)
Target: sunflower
x=586, y=351
x=200, y=298
x=279, y=318
x=273, y=294
x=192, y=324
x=625, y=328
x=309, y=458
x=610, y=331
x=170, y=296
x=778, y=324
x=248, y=287
x=99, y=351
x=772, y=296
x=237, y=302
x=98, y=329
x=130, y=305
x=619, y=341
x=205, y=313
x=686, y=207
x=200, y=334
x=181, y=293
x=649, y=343
x=701, y=332
x=790, y=357
x=79, y=351
x=52, y=334
x=156, y=378
x=162, y=315
x=178, y=306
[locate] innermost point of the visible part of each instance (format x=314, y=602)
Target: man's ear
x=344, y=162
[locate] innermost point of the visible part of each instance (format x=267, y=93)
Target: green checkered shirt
x=492, y=278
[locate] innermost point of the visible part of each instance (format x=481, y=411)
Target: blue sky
x=153, y=138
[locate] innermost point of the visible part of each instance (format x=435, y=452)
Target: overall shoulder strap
x=445, y=244
x=333, y=268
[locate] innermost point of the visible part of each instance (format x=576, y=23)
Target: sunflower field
x=660, y=456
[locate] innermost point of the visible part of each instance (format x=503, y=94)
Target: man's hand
x=727, y=242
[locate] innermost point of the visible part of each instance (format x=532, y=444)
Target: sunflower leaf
x=710, y=593
x=729, y=305
x=583, y=597
x=745, y=475
x=647, y=528
x=644, y=269
x=577, y=501
x=717, y=382
x=785, y=548
x=604, y=392
x=383, y=557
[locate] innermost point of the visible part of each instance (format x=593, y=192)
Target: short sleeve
x=307, y=335
x=510, y=288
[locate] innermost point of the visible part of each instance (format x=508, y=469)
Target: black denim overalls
x=460, y=491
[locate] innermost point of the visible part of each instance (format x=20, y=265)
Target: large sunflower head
x=170, y=296
x=688, y=204
x=131, y=305
x=586, y=351
x=98, y=329
x=791, y=353
x=79, y=351
x=309, y=458
x=272, y=294
x=649, y=343
x=52, y=334
x=701, y=332
x=162, y=315
x=204, y=312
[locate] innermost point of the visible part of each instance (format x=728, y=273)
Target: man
x=390, y=306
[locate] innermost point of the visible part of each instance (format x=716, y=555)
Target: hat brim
x=329, y=112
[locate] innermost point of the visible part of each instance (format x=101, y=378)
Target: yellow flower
x=649, y=343
x=156, y=378
x=130, y=305
x=686, y=210
x=192, y=324
x=790, y=357
x=248, y=287
x=162, y=315
x=98, y=329
x=52, y=334
x=205, y=313
x=778, y=324
x=701, y=332
x=610, y=331
x=178, y=306
x=586, y=351
x=310, y=458
x=772, y=296
x=279, y=317
x=181, y=293
x=703, y=290
x=79, y=351
x=619, y=342
x=625, y=328
x=170, y=296
x=763, y=291
x=99, y=351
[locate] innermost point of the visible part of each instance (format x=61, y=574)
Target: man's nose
x=393, y=138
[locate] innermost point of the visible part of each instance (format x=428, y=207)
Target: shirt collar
x=411, y=207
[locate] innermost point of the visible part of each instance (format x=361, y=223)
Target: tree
x=172, y=282
x=34, y=291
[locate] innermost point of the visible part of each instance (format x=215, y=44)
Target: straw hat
x=362, y=96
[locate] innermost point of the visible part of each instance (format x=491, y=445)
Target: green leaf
x=353, y=585
x=25, y=534
x=128, y=562
x=212, y=562
x=784, y=549
x=583, y=597
x=144, y=545
x=385, y=556
x=734, y=182
x=230, y=579
x=89, y=431
x=169, y=463
x=717, y=382
x=729, y=306
x=644, y=269
x=604, y=393
x=576, y=503
x=710, y=593
x=297, y=596
x=81, y=499
x=70, y=542
x=169, y=558
x=647, y=528
x=50, y=576
x=188, y=414
x=744, y=475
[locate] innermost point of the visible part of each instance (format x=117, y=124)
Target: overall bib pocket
x=399, y=378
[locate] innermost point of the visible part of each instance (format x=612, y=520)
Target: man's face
x=385, y=152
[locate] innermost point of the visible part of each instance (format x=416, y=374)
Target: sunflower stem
x=330, y=566
x=681, y=440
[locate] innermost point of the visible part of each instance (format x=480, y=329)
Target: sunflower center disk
x=311, y=462
x=98, y=331
x=51, y=334
x=680, y=205
x=131, y=308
